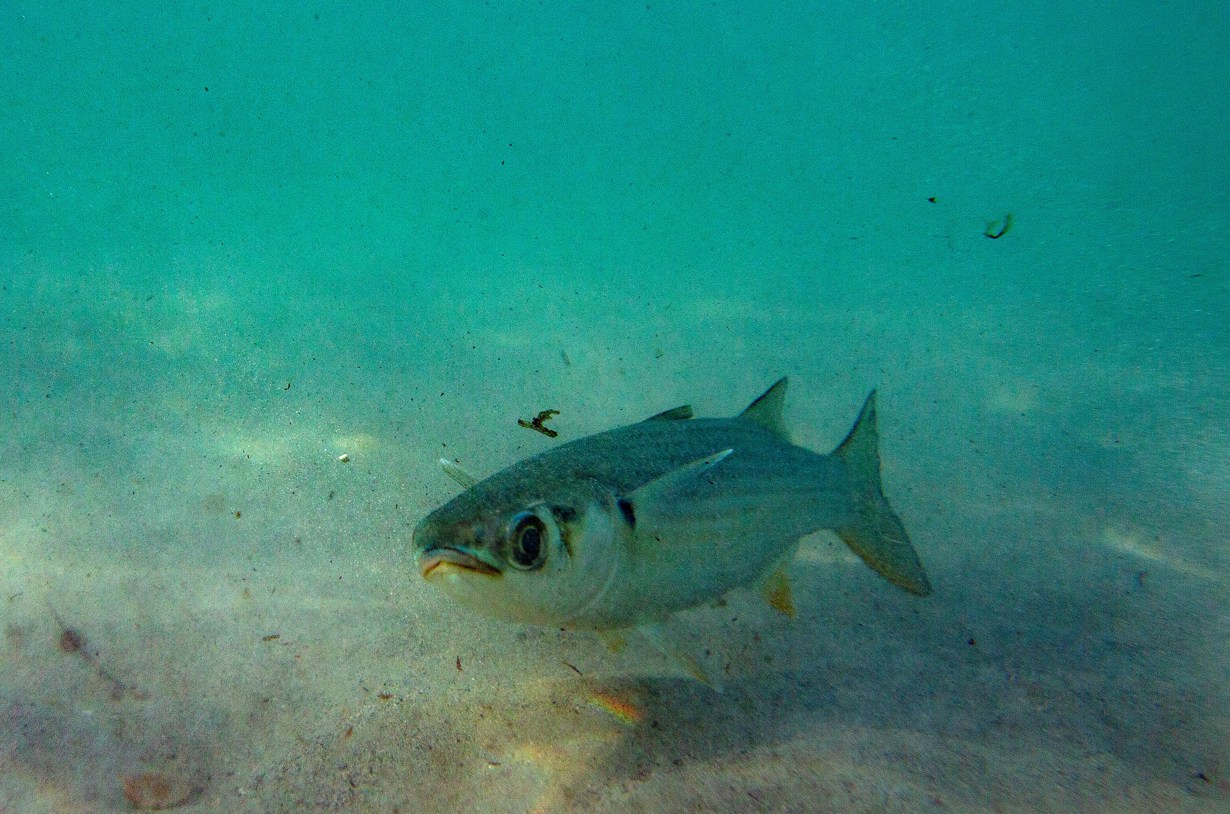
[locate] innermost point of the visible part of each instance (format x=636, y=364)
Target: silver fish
x=625, y=527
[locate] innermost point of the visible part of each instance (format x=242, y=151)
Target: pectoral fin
x=463, y=478
x=662, y=491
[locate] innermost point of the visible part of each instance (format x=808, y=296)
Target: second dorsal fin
x=767, y=410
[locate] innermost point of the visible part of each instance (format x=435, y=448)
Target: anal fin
x=776, y=591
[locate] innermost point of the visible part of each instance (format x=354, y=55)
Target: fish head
x=531, y=561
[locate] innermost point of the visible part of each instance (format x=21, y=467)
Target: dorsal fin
x=767, y=410
x=679, y=413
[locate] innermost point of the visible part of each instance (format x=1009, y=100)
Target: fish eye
x=528, y=539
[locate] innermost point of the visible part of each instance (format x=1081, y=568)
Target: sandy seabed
x=247, y=632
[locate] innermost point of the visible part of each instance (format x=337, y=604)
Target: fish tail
x=876, y=534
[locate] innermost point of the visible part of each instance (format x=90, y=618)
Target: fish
x=625, y=528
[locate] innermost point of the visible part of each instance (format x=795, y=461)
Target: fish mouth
x=440, y=561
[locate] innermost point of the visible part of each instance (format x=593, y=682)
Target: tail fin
x=877, y=534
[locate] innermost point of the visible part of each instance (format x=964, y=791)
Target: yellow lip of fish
x=441, y=560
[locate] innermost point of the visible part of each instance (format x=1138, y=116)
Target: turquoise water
x=239, y=244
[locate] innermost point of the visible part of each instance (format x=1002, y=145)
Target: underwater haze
x=265, y=264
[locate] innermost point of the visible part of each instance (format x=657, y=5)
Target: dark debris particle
x=998, y=228
x=536, y=423
x=71, y=641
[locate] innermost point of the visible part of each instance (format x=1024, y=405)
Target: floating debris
x=998, y=228
x=73, y=641
x=535, y=423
